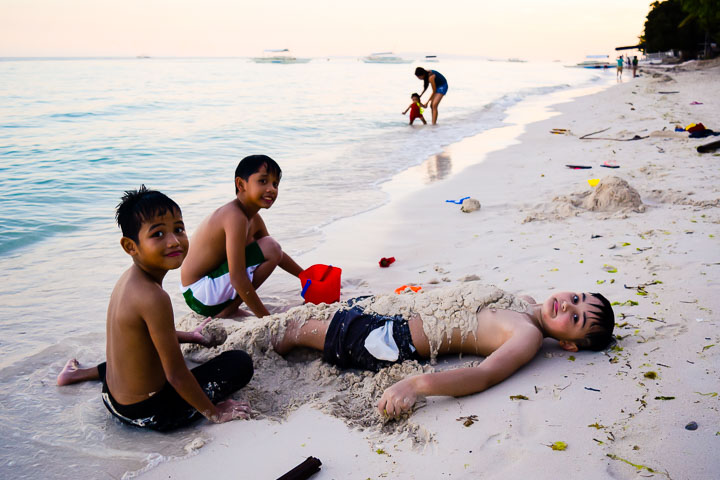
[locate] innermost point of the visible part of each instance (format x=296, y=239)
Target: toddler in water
x=415, y=108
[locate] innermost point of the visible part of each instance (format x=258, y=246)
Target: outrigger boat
x=279, y=56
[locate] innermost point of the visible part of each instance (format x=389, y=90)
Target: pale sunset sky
x=528, y=29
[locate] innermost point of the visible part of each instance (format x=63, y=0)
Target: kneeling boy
x=374, y=332
x=145, y=380
x=232, y=252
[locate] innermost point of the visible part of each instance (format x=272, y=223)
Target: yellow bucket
x=593, y=181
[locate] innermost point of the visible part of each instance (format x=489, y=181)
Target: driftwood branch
x=588, y=135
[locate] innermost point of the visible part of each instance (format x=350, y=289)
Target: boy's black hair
x=601, y=335
x=414, y=95
x=251, y=164
x=141, y=205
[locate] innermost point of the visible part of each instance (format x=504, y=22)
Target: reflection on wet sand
x=437, y=167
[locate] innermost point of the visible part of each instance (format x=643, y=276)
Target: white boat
x=279, y=56
x=594, y=63
x=384, y=57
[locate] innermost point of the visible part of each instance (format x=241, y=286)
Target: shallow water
x=74, y=134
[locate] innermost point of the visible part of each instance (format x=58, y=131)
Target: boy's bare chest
x=494, y=328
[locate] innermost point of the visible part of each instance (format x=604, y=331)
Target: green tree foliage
x=663, y=31
x=707, y=15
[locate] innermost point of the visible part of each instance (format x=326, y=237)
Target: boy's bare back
x=136, y=300
x=226, y=229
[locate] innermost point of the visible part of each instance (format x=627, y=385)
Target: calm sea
x=76, y=133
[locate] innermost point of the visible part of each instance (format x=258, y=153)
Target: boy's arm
x=407, y=109
x=158, y=315
x=236, y=227
x=499, y=365
x=286, y=262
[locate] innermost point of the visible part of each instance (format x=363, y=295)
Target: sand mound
x=678, y=197
x=612, y=196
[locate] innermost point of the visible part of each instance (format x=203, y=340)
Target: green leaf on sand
x=561, y=446
x=710, y=394
x=571, y=358
x=609, y=268
x=636, y=465
x=596, y=425
x=708, y=346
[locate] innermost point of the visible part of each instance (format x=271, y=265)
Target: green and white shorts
x=212, y=293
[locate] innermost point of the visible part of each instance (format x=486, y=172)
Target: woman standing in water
x=439, y=88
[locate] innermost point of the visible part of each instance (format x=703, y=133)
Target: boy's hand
x=201, y=339
x=398, y=399
x=230, y=410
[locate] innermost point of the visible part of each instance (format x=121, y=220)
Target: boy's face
x=162, y=242
x=568, y=317
x=261, y=188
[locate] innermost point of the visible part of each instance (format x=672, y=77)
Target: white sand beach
x=622, y=413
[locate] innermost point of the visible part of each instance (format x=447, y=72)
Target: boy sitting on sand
x=232, y=252
x=374, y=332
x=145, y=380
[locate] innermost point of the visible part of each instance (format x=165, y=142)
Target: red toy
x=320, y=284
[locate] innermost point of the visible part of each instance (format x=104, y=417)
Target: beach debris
x=609, y=165
x=305, y=470
x=596, y=425
x=469, y=278
x=651, y=375
x=571, y=358
x=595, y=236
x=588, y=135
x=578, y=167
x=636, y=465
x=706, y=347
x=592, y=389
x=386, y=261
x=470, y=205
x=457, y=202
x=408, y=289
x=560, y=131
x=709, y=147
x=695, y=103
x=709, y=394
x=559, y=446
x=691, y=426
x=593, y=182
x=469, y=420
x=667, y=93
x=609, y=268
x=518, y=397
x=663, y=397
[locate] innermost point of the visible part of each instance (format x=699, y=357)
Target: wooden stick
x=305, y=470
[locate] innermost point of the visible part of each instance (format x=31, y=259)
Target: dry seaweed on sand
x=469, y=420
x=518, y=397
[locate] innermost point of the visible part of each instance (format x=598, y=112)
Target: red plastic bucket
x=320, y=284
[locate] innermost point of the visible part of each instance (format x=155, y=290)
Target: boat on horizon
x=595, y=62
x=384, y=57
x=431, y=59
x=279, y=56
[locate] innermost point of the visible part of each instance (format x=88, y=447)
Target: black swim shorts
x=345, y=339
x=166, y=409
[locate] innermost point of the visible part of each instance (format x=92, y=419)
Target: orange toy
x=402, y=289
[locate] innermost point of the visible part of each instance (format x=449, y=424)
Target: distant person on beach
x=635, y=65
x=377, y=331
x=439, y=86
x=619, y=67
x=145, y=381
x=415, y=108
x=232, y=253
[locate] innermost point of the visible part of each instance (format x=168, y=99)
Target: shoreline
x=528, y=238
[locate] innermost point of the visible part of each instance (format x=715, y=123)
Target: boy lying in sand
x=374, y=332
x=232, y=252
x=145, y=381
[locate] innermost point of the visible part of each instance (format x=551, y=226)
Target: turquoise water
x=74, y=134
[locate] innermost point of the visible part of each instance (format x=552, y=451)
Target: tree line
x=691, y=27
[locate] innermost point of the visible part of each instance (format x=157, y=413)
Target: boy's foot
x=72, y=373
x=69, y=372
